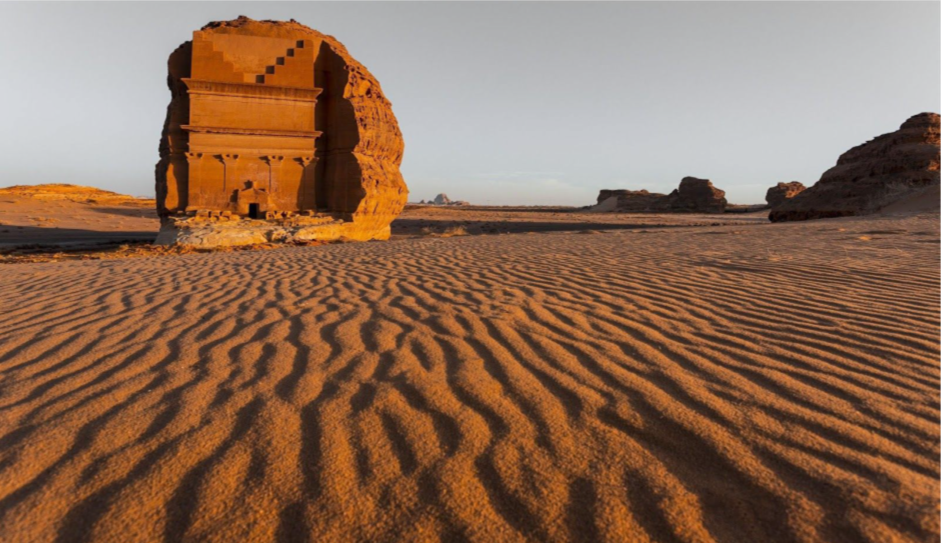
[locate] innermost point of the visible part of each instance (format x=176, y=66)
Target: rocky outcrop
x=696, y=196
x=873, y=175
x=636, y=201
x=443, y=200
x=604, y=194
x=275, y=121
x=779, y=193
x=693, y=196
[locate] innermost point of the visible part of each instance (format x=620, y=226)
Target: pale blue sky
x=502, y=103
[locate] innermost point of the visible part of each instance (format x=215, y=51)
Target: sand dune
x=735, y=383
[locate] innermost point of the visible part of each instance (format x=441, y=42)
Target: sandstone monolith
x=275, y=132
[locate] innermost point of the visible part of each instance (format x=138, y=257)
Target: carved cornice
x=252, y=131
x=252, y=90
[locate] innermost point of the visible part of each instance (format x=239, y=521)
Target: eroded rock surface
x=873, y=175
x=781, y=192
x=693, y=196
x=636, y=201
x=697, y=195
x=276, y=122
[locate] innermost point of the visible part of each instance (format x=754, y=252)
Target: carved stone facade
x=272, y=120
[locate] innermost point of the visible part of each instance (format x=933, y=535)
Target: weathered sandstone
x=696, y=196
x=634, y=201
x=777, y=194
x=275, y=122
x=873, y=175
x=693, y=196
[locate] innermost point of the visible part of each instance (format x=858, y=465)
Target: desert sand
x=744, y=382
x=73, y=216
x=56, y=222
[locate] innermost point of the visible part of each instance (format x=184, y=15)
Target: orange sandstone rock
x=276, y=123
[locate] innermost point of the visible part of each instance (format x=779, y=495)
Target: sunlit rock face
x=782, y=192
x=873, y=175
x=275, y=129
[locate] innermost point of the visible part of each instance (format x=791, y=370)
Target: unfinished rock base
x=230, y=230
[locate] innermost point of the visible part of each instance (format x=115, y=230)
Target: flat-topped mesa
x=275, y=122
x=873, y=175
x=693, y=196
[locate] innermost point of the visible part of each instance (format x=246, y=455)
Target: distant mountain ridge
x=75, y=193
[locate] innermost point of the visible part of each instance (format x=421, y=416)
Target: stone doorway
x=254, y=211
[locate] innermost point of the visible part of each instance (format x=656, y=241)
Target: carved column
x=307, y=183
x=274, y=170
x=194, y=176
x=230, y=164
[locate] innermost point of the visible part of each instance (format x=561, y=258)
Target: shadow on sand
x=12, y=237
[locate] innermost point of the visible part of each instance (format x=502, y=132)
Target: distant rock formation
x=779, y=193
x=604, y=194
x=693, y=196
x=443, y=200
x=273, y=121
x=873, y=175
x=697, y=196
x=75, y=193
x=634, y=201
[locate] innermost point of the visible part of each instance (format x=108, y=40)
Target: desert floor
x=70, y=215
x=44, y=219
x=743, y=383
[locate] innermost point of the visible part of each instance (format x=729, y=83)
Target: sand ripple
x=772, y=383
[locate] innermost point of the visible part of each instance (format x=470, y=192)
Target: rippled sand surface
x=736, y=383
